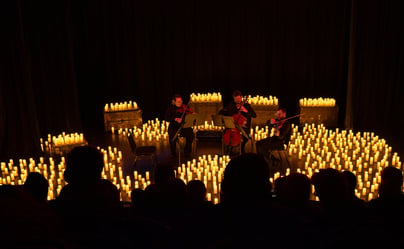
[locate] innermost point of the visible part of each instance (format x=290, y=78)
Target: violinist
x=175, y=114
x=242, y=113
x=281, y=136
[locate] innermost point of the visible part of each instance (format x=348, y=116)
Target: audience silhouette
x=173, y=213
x=90, y=206
x=37, y=185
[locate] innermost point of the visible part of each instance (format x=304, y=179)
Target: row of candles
x=261, y=100
x=215, y=97
x=63, y=139
x=312, y=149
x=156, y=130
x=151, y=131
x=121, y=106
x=317, y=102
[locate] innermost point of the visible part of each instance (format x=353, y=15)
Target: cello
x=232, y=136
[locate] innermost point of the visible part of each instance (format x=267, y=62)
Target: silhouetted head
x=37, y=185
x=331, y=187
x=137, y=196
x=391, y=181
x=196, y=190
x=351, y=180
x=163, y=173
x=83, y=163
x=295, y=190
x=246, y=178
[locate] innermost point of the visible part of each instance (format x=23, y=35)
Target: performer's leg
x=188, y=133
x=173, y=145
x=262, y=146
x=243, y=143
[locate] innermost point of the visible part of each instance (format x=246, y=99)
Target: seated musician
x=242, y=113
x=175, y=114
x=281, y=137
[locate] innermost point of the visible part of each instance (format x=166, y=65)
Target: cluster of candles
x=207, y=169
x=152, y=130
x=63, y=139
x=364, y=154
x=13, y=174
x=113, y=172
x=209, y=126
x=121, y=106
x=311, y=149
x=261, y=100
x=215, y=97
x=327, y=102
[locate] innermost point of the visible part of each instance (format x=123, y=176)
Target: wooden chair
x=142, y=151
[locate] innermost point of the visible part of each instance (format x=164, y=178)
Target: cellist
x=175, y=114
x=242, y=113
x=281, y=136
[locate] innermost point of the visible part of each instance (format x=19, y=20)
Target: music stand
x=228, y=122
x=218, y=120
x=192, y=120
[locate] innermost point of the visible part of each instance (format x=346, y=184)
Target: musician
x=281, y=136
x=175, y=114
x=240, y=107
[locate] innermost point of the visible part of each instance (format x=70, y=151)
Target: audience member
x=356, y=204
x=89, y=205
x=386, y=211
x=28, y=222
x=37, y=185
x=245, y=205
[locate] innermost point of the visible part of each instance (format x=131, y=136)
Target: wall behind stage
x=65, y=59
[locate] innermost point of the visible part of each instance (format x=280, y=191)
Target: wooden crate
x=264, y=113
x=123, y=119
x=319, y=115
x=207, y=109
x=64, y=149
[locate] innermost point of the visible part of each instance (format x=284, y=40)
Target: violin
x=184, y=109
x=278, y=123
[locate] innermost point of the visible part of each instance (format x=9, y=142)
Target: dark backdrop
x=62, y=61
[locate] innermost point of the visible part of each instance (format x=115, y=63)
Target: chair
x=142, y=151
x=180, y=143
x=277, y=159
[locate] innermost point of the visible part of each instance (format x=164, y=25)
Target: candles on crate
x=317, y=102
x=121, y=106
x=215, y=97
x=261, y=100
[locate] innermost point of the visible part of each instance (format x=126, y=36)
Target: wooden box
x=207, y=109
x=64, y=149
x=319, y=115
x=123, y=119
x=264, y=113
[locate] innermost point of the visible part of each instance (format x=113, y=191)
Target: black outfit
x=264, y=146
x=172, y=113
x=231, y=109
